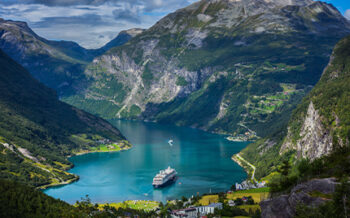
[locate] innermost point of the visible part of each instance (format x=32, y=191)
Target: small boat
x=164, y=177
x=170, y=142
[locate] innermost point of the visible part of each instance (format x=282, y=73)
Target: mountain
x=57, y=64
x=122, y=38
x=235, y=67
x=319, y=126
x=38, y=132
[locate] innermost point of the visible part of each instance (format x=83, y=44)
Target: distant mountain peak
x=132, y=32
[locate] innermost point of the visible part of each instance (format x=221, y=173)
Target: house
x=231, y=203
x=188, y=213
x=204, y=210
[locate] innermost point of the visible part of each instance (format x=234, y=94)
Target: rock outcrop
x=314, y=139
x=306, y=193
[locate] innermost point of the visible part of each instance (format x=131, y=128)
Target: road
x=249, y=164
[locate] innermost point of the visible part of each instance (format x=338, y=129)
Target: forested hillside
x=17, y=200
x=57, y=64
x=38, y=132
x=319, y=126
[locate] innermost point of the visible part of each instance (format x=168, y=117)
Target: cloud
x=55, y=2
x=85, y=21
x=129, y=15
x=347, y=14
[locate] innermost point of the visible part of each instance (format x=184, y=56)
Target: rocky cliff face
x=224, y=66
x=284, y=206
x=314, y=139
x=324, y=125
x=320, y=123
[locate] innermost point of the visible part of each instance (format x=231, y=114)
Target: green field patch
x=249, y=208
x=133, y=204
x=317, y=194
x=208, y=199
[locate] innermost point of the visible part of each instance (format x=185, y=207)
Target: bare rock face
x=284, y=206
x=315, y=140
x=202, y=65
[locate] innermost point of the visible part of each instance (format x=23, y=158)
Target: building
x=188, y=213
x=231, y=203
x=204, y=210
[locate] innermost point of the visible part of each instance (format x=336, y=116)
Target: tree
x=233, y=187
x=342, y=197
x=284, y=170
x=239, y=201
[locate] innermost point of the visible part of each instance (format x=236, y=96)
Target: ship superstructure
x=164, y=177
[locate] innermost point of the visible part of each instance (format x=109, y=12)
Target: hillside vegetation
x=17, y=200
x=38, y=132
x=319, y=129
x=235, y=67
x=57, y=64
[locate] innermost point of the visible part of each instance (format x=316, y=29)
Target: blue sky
x=342, y=5
x=92, y=23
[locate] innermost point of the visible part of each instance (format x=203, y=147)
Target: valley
x=247, y=100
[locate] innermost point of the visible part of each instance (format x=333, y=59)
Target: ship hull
x=169, y=182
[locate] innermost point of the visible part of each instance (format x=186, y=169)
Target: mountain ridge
x=38, y=132
x=57, y=64
x=168, y=73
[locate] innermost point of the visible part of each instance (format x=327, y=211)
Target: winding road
x=249, y=164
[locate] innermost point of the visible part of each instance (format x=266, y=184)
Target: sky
x=92, y=23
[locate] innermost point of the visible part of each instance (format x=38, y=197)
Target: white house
x=231, y=203
x=204, y=210
x=188, y=213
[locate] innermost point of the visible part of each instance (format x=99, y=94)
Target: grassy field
x=106, y=148
x=137, y=205
x=247, y=208
x=255, y=190
x=258, y=194
x=208, y=199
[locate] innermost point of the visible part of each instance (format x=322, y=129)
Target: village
x=245, y=196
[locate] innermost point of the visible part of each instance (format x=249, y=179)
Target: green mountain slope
x=319, y=126
x=57, y=64
x=17, y=200
x=38, y=132
x=236, y=67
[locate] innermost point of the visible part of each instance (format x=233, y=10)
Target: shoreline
x=97, y=151
x=238, y=159
x=230, y=138
x=52, y=185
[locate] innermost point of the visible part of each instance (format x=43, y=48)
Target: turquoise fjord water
x=202, y=160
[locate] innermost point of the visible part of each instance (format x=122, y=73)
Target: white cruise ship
x=164, y=177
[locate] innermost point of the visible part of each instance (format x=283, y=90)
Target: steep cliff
x=318, y=126
x=236, y=67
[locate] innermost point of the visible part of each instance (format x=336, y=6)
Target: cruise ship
x=164, y=177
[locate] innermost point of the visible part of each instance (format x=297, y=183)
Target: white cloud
x=347, y=14
x=86, y=21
